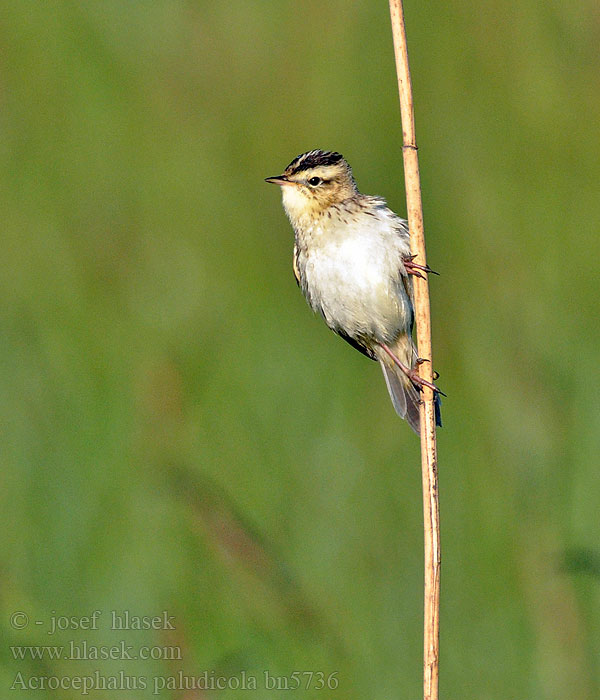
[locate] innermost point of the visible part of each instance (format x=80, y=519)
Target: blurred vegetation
x=180, y=433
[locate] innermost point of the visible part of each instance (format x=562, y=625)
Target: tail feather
x=404, y=395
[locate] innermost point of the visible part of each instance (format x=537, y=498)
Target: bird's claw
x=411, y=372
x=413, y=268
x=418, y=381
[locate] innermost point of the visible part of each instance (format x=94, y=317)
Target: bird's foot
x=415, y=269
x=416, y=379
x=411, y=372
x=420, y=360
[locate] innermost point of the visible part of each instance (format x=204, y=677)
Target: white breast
x=353, y=275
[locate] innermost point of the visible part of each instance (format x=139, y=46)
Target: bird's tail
x=404, y=394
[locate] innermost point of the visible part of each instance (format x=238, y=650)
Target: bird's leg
x=414, y=268
x=411, y=373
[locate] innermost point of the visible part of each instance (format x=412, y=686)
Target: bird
x=352, y=260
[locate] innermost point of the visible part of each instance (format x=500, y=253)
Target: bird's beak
x=279, y=180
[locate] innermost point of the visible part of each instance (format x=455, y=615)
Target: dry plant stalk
x=431, y=514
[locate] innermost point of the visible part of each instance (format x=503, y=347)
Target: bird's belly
x=358, y=290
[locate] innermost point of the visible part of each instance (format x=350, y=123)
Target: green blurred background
x=180, y=433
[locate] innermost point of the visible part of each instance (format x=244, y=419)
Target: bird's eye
x=314, y=181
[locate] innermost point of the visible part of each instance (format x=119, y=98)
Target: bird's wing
x=295, y=265
x=356, y=344
x=408, y=287
x=401, y=226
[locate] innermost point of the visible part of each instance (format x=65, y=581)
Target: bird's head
x=314, y=181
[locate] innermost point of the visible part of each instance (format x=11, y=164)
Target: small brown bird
x=352, y=261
